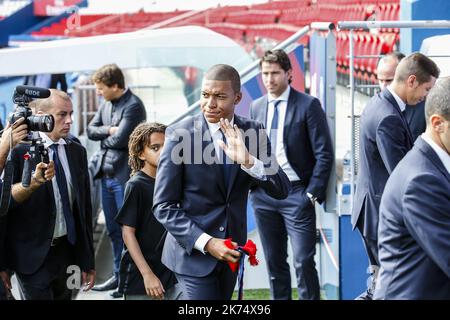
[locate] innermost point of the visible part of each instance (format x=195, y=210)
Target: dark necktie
x=405, y=119
x=64, y=193
x=226, y=163
x=274, y=127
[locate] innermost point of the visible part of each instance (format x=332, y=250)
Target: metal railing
x=251, y=68
x=351, y=25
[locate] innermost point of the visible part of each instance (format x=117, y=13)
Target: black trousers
x=371, y=245
x=49, y=282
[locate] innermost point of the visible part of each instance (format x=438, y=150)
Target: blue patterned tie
x=274, y=127
x=64, y=193
x=226, y=163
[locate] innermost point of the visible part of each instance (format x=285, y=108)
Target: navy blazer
x=414, y=229
x=126, y=114
x=30, y=224
x=306, y=137
x=415, y=116
x=190, y=196
x=384, y=140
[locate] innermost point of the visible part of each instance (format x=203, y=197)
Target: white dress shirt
x=442, y=154
x=256, y=171
x=399, y=101
x=60, y=223
x=280, y=151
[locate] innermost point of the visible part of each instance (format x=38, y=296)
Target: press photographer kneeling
x=49, y=225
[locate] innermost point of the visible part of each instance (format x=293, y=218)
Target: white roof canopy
x=183, y=46
x=438, y=47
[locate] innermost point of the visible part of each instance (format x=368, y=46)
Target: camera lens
x=44, y=123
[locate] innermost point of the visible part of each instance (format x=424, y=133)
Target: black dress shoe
x=116, y=294
x=109, y=284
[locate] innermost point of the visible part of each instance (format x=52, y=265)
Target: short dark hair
x=109, y=75
x=277, y=56
x=438, y=100
x=224, y=72
x=418, y=65
x=139, y=139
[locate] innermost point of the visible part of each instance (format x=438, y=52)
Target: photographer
x=49, y=225
x=11, y=136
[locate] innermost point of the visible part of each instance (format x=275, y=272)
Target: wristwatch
x=312, y=198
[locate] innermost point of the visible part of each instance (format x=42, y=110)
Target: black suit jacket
x=30, y=225
x=306, y=139
x=126, y=113
x=415, y=116
x=191, y=198
x=384, y=140
x=414, y=229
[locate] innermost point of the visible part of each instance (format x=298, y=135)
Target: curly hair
x=139, y=139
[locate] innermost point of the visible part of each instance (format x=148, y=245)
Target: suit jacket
x=190, y=196
x=306, y=139
x=415, y=116
x=125, y=113
x=384, y=140
x=414, y=230
x=30, y=225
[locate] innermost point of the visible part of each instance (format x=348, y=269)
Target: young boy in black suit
x=142, y=274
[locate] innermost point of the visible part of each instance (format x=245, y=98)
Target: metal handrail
x=417, y=24
x=254, y=65
x=351, y=25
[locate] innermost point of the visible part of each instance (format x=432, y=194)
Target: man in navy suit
x=49, y=224
x=415, y=115
x=385, y=138
x=414, y=226
x=202, y=185
x=302, y=144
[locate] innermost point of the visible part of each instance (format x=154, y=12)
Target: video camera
x=23, y=95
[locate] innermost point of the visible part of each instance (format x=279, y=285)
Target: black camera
x=23, y=95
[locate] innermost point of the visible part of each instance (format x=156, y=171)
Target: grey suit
x=414, y=229
x=126, y=113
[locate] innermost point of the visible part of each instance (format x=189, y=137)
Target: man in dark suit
x=415, y=115
x=113, y=123
x=49, y=223
x=414, y=226
x=18, y=131
x=202, y=187
x=301, y=142
x=385, y=138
